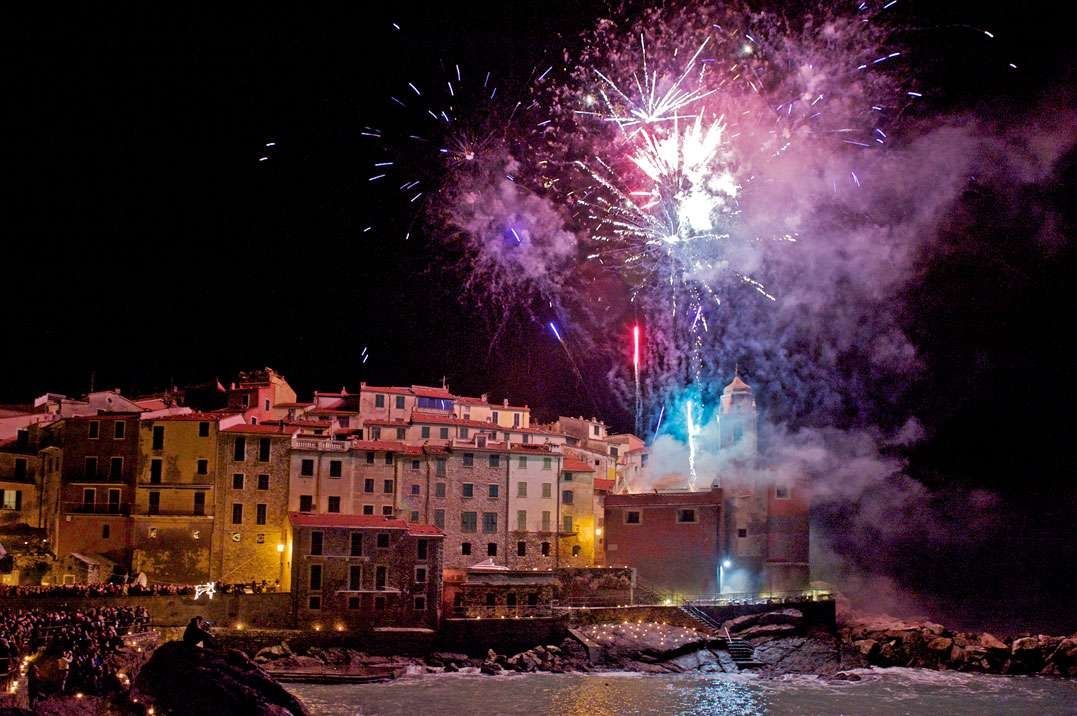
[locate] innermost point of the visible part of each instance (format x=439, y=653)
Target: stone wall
x=255, y=610
x=505, y=636
x=596, y=585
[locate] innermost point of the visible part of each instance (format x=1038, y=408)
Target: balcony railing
x=142, y=511
x=320, y=444
x=97, y=508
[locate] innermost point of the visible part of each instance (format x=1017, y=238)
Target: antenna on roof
x=93, y=375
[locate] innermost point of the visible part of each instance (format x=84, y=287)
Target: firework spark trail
x=635, y=371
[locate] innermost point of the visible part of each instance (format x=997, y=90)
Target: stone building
x=251, y=507
x=352, y=477
x=21, y=479
x=533, y=507
x=673, y=539
x=175, y=500
x=98, y=468
x=577, y=525
x=256, y=394
x=359, y=572
x=490, y=591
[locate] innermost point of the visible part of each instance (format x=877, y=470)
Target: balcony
x=97, y=508
x=320, y=444
x=157, y=512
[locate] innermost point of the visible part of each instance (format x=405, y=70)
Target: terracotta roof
x=393, y=423
x=292, y=405
x=426, y=391
x=571, y=464
x=386, y=446
x=396, y=390
x=439, y=419
x=435, y=449
x=331, y=411
x=298, y=423
x=306, y=519
x=198, y=417
x=601, y=484
x=261, y=430
x=468, y=400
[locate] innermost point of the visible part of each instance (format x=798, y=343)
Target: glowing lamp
x=727, y=564
x=280, y=547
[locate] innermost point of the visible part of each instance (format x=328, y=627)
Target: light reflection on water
x=892, y=691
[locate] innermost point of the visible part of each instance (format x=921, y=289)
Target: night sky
x=146, y=243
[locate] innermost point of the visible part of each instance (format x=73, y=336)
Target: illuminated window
x=686, y=516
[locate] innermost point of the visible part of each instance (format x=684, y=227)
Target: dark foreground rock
x=179, y=679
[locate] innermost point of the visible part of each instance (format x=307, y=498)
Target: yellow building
x=578, y=526
x=172, y=515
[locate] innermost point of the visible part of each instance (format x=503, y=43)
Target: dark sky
x=144, y=241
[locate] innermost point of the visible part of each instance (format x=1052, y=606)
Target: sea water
x=880, y=691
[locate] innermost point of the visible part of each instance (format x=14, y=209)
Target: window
x=263, y=449
x=566, y=497
x=356, y=547
x=245, y=400
x=527, y=438
x=156, y=467
x=89, y=496
x=424, y=431
x=493, y=490
x=387, y=510
x=383, y=540
x=200, y=503
x=576, y=550
x=515, y=420
x=91, y=468
x=306, y=467
x=237, y=481
x=468, y=489
x=742, y=532
x=495, y=461
x=491, y=549
x=547, y=490
x=306, y=503
x=594, y=430
x=439, y=519
x=239, y=449
x=414, y=464
x=388, y=458
x=317, y=540
x=633, y=517
x=155, y=503
x=387, y=487
x=94, y=429
x=353, y=602
x=686, y=516
x=401, y=433
x=400, y=402
x=421, y=549
x=566, y=523
x=381, y=574
x=493, y=417
x=379, y=604
x=568, y=477
x=355, y=577
x=545, y=520
x=259, y=538
x=443, y=433
x=547, y=463
x=469, y=521
x=521, y=549
x=20, y=468
x=521, y=489
x=419, y=603
x=489, y=522
x=491, y=599
x=344, y=421
x=368, y=484
x=521, y=520
x=613, y=451
x=465, y=548
x=781, y=493
x=202, y=466
x=237, y=512
x=370, y=458
x=106, y=531
x=375, y=433
x=439, y=466
x=263, y=482
x=379, y=401
x=203, y=430
x=462, y=432
x=469, y=459
x=545, y=549
x=336, y=468
x=158, y=437
x=420, y=575
x=334, y=504
x=115, y=468
x=439, y=489
x=315, y=581
x=368, y=509
x=119, y=429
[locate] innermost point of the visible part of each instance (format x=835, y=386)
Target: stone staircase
x=742, y=653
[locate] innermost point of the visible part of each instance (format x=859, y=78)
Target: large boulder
x=194, y=681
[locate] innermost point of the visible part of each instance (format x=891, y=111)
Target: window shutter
x=18, y=499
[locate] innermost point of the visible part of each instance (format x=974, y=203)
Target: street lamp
x=722, y=567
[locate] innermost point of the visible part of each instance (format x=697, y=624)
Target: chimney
x=506, y=402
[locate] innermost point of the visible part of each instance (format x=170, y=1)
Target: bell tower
x=737, y=418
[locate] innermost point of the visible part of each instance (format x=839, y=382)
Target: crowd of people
x=71, y=649
x=131, y=589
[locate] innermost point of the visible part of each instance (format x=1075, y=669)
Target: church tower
x=737, y=418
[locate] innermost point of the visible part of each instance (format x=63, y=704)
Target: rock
x=940, y=644
x=845, y=676
x=552, y=649
x=451, y=668
x=867, y=647
x=1025, y=656
x=785, y=616
x=491, y=655
x=196, y=682
x=271, y=653
x=449, y=657
x=491, y=668
x=292, y=663
x=991, y=643
x=957, y=656
x=768, y=630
